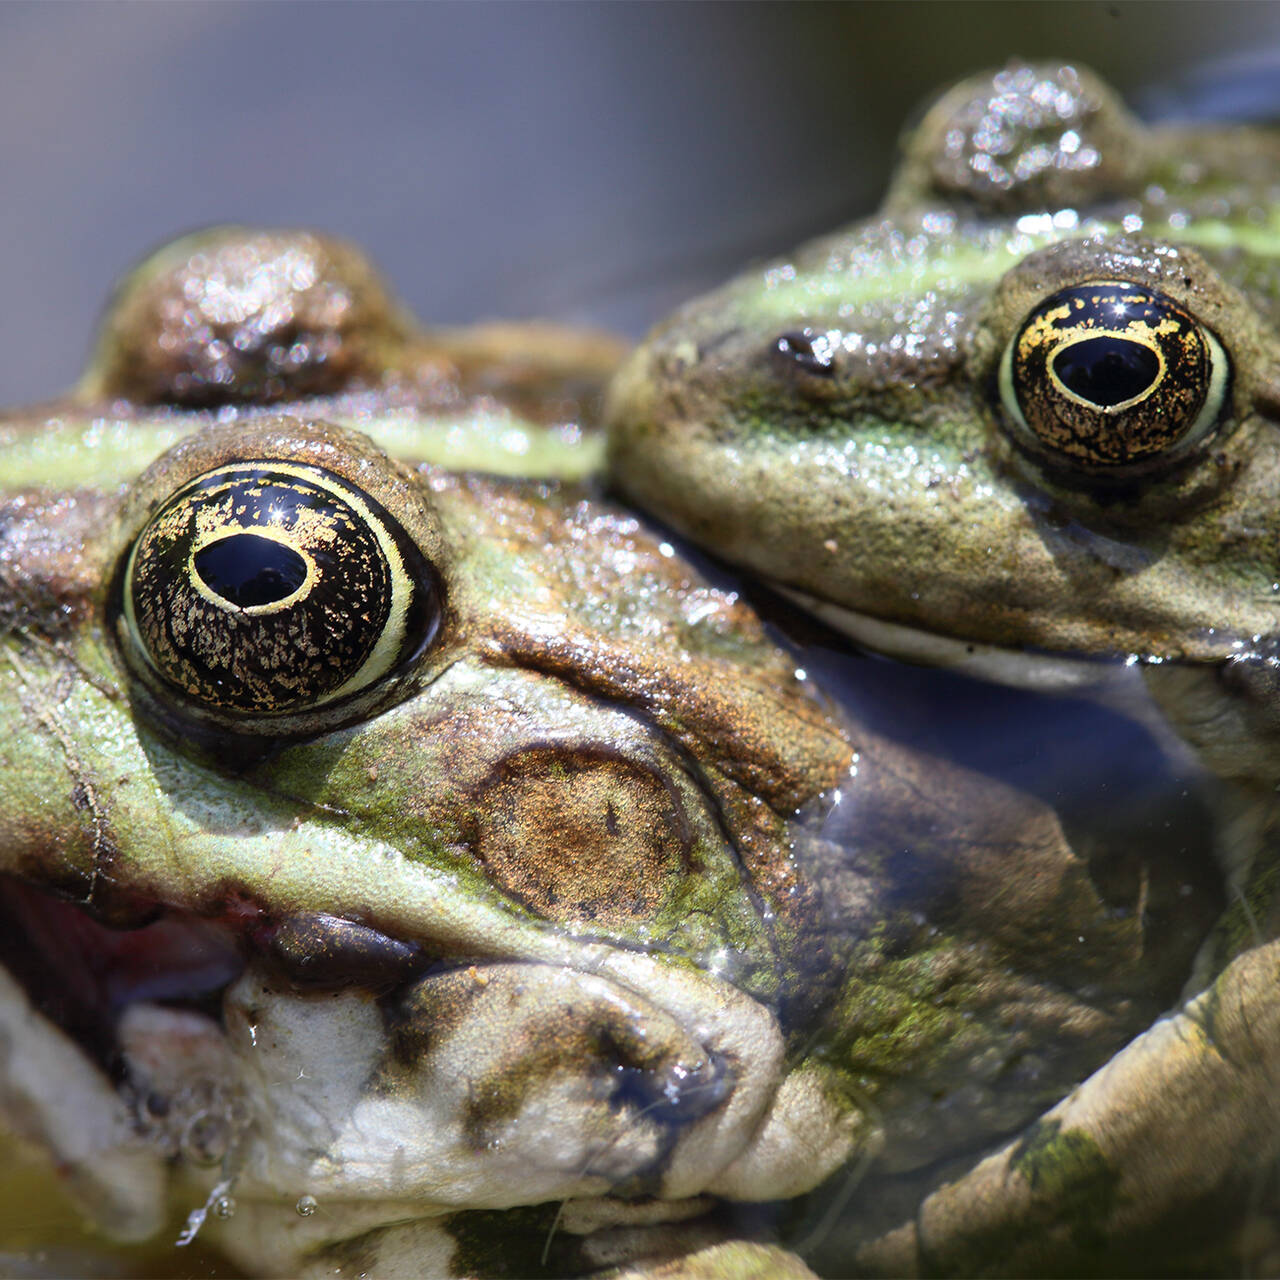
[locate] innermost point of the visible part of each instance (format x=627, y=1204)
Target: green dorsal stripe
x=72, y=450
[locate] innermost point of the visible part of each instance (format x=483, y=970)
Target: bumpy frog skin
x=524, y=914
x=1021, y=422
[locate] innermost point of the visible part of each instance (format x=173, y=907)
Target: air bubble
x=224, y=1207
x=306, y=1206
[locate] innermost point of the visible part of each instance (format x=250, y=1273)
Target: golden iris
x=1111, y=374
x=271, y=586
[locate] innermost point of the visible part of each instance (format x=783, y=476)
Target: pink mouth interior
x=81, y=973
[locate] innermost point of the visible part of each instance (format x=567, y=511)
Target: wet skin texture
x=435, y=864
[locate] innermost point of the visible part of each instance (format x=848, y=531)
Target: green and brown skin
x=592, y=904
x=894, y=486
x=891, y=491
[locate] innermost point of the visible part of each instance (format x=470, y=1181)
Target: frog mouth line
x=85, y=977
x=1043, y=672
x=1114, y=683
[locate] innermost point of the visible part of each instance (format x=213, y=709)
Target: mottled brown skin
x=240, y=316
x=584, y=754
x=253, y=317
x=734, y=705
x=1001, y=142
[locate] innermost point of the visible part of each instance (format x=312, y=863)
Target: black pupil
x=1106, y=371
x=250, y=570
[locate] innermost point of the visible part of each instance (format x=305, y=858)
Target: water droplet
x=306, y=1206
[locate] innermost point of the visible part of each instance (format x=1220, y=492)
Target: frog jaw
x=491, y=1085
x=1042, y=672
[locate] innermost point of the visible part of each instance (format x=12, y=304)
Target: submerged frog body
x=416, y=871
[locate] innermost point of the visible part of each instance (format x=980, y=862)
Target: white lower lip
x=1040, y=672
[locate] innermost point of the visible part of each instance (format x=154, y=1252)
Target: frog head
x=1028, y=407
x=389, y=836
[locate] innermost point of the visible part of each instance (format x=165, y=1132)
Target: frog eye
x=1111, y=375
x=268, y=586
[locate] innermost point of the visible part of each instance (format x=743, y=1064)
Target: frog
x=1021, y=415
x=413, y=864
x=1019, y=422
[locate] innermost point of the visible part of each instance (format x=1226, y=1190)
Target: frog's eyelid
x=1008, y=397
x=1215, y=396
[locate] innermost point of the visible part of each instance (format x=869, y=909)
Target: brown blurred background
x=590, y=162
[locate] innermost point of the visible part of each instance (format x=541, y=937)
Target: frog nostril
x=803, y=349
x=676, y=1093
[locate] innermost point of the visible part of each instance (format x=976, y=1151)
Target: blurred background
x=585, y=162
